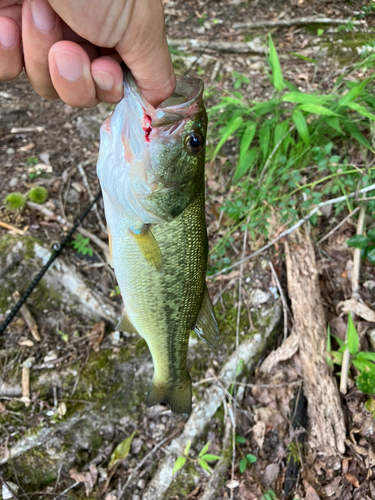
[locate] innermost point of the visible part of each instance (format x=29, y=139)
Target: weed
x=202, y=459
x=366, y=244
x=116, y=292
x=82, y=245
x=240, y=80
x=362, y=360
x=15, y=200
x=38, y=194
x=293, y=150
x=269, y=495
x=32, y=160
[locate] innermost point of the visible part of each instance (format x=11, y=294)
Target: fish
x=151, y=170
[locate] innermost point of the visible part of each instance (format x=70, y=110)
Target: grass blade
x=353, y=93
x=356, y=134
x=301, y=98
x=277, y=76
x=316, y=109
x=235, y=123
x=301, y=126
x=247, y=138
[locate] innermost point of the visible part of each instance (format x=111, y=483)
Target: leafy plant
x=15, y=200
x=202, y=459
x=362, y=360
x=292, y=149
x=269, y=495
x=366, y=244
x=82, y=245
x=116, y=292
x=239, y=80
x=32, y=160
x=38, y=194
x=246, y=460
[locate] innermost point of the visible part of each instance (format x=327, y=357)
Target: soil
x=89, y=355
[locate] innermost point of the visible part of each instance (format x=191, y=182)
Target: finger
x=41, y=28
x=11, y=61
x=70, y=71
x=145, y=51
x=107, y=75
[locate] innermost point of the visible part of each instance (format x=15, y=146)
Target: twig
x=297, y=21
x=285, y=305
x=355, y=295
x=5, y=225
x=94, y=239
x=229, y=47
x=345, y=219
x=91, y=196
x=8, y=487
x=74, y=485
x=30, y=321
x=298, y=224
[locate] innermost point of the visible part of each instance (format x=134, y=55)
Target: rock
x=270, y=475
x=371, y=338
x=73, y=196
x=258, y=297
x=10, y=151
x=13, y=182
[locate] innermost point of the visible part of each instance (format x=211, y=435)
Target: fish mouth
x=185, y=102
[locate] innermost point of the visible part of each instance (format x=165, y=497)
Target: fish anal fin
x=125, y=325
x=148, y=246
x=206, y=325
x=178, y=396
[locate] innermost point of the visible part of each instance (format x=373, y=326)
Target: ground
x=88, y=384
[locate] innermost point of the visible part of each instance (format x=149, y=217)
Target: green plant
x=348, y=26
x=366, y=244
x=202, y=459
x=38, y=194
x=15, y=200
x=292, y=150
x=362, y=360
x=82, y=245
x=269, y=495
x=32, y=160
x=116, y=292
x=239, y=80
x=245, y=460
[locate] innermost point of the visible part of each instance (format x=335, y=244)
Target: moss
x=183, y=483
x=35, y=469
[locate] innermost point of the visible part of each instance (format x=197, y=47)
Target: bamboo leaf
x=316, y=109
x=353, y=93
x=230, y=129
x=121, y=451
x=247, y=138
x=356, y=134
x=361, y=110
x=210, y=458
x=246, y=162
x=301, y=98
x=301, y=126
x=277, y=76
x=204, y=465
x=334, y=123
x=264, y=140
x=352, y=336
x=180, y=462
x=204, y=449
x=187, y=448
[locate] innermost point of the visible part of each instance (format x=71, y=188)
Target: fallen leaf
x=232, y=484
x=259, y=431
x=352, y=479
x=97, y=335
x=88, y=478
x=3, y=408
x=357, y=308
x=311, y=494
x=345, y=465
x=121, y=451
x=27, y=343
x=79, y=477
x=110, y=497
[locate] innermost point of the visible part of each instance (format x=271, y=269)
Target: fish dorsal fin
x=125, y=325
x=206, y=325
x=148, y=246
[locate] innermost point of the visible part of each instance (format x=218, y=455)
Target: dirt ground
x=42, y=143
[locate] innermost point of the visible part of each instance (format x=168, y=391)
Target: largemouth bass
x=151, y=170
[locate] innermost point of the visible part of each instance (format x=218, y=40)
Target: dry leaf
x=61, y=409
x=352, y=479
x=3, y=408
x=87, y=478
x=27, y=343
x=232, y=484
x=110, y=497
x=79, y=477
x=357, y=308
x=345, y=465
x=259, y=431
x=97, y=335
x=311, y=494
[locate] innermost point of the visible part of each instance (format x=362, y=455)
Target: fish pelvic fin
x=177, y=396
x=148, y=246
x=206, y=325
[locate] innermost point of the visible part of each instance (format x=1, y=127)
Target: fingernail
x=8, y=35
x=103, y=80
x=69, y=65
x=44, y=16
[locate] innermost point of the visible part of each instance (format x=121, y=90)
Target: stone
x=258, y=297
x=270, y=475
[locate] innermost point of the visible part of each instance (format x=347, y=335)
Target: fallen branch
x=297, y=21
x=193, y=44
x=294, y=227
x=50, y=215
x=27, y=316
x=345, y=219
x=203, y=412
x=10, y=227
x=355, y=296
x=91, y=196
x=327, y=430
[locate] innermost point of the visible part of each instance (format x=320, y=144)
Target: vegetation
x=38, y=194
x=363, y=361
x=82, y=245
x=15, y=200
x=202, y=459
x=294, y=149
x=366, y=244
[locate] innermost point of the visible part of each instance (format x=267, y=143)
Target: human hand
x=72, y=49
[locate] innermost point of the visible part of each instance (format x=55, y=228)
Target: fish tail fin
x=177, y=396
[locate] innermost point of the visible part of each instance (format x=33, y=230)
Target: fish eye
x=194, y=142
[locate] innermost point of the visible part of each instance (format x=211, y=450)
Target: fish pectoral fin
x=125, y=325
x=148, y=246
x=177, y=396
x=206, y=325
